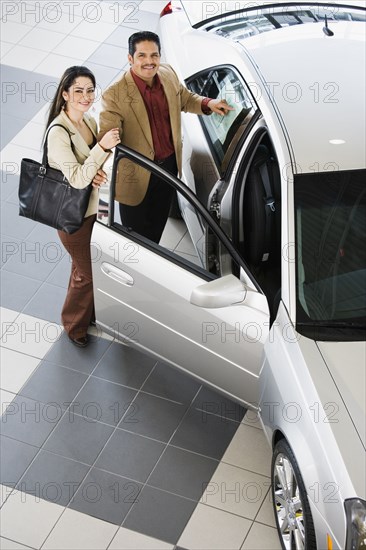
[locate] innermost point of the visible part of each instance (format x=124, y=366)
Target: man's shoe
x=80, y=342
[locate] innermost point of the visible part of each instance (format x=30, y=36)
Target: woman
x=80, y=157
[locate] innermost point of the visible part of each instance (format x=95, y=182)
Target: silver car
x=267, y=303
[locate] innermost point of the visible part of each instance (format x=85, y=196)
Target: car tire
x=291, y=506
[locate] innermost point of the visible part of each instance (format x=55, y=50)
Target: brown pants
x=78, y=309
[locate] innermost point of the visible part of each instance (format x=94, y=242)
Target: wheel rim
x=288, y=504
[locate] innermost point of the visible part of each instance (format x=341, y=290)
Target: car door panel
x=145, y=298
x=220, y=346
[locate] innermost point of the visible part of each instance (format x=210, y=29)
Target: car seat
x=262, y=212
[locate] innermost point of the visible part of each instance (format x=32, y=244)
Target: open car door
x=199, y=311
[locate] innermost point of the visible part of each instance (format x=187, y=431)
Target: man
x=146, y=104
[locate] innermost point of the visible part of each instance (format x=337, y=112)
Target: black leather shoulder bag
x=46, y=196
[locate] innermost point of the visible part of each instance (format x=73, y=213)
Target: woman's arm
x=62, y=157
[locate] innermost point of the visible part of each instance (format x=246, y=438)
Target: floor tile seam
x=18, y=440
x=20, y=480
x=268, y=494
x=93, y=465
x=26, y=34
x=150, y=373
x=103, y=354
x=30, y=147
x=36, y=320
x=1, y=320
x=43, y=24
x=70, y=368
x=68, y=35
x=53, y=527
x=252, y=426
x=79, y=483
x=39, y=290
x=162, y=491
x=212, y=506
x=244, y=469
x=113, y=382
x=7, y=200
x=248, y=533
x=7, y=403
x=42, y=243
x=17, y=117
x=180, y=240
x=2, y=345
x=5, y=267
x=49, y=435
x=196, y=453
x=47, y=451
x=59, y=519
x=35, y=70
x=68, y=405
x=26, y=381
x=58, y=285
x=124, y=477
x=101, y=64
x=223, y=418
x=163, y=451
x=141, y=391
x=17, y=542
x=89, y=376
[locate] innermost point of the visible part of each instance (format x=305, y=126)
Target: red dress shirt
x=158, y=112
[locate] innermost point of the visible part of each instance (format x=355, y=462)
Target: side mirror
x=223, y=292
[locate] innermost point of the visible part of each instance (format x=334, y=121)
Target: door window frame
x=121, y=151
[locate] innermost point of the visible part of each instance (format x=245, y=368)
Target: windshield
x=330, y=210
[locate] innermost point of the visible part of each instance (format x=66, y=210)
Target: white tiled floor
x=235, y=512
x=30, y=335
x=16, y=369
x=91, y=533
x=226, y=530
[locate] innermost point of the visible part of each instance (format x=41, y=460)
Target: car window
x=186, y=238
x=237, y=21
x=223, y=83
x=331, y=253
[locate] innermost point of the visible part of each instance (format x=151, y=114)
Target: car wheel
x=291, y=506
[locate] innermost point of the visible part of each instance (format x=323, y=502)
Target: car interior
x=257, y=221
x=256, y=215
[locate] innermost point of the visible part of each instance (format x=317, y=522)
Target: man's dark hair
x=140, y=36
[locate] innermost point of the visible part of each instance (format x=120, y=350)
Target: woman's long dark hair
x=67, y=80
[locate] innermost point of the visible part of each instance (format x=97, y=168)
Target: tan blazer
x=81, y=167
x=123, y=107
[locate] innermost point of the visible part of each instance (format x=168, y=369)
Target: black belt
x=161, y=161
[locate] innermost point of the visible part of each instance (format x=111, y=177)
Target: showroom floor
x=103, y=447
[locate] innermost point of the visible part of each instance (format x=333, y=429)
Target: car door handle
x=117, y=274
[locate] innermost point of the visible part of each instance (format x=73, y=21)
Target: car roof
x=317, y=85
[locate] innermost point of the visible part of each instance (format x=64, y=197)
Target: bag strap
x=45, y=144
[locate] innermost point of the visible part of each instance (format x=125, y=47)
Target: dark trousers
x=78, y=309
x=150, y=216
